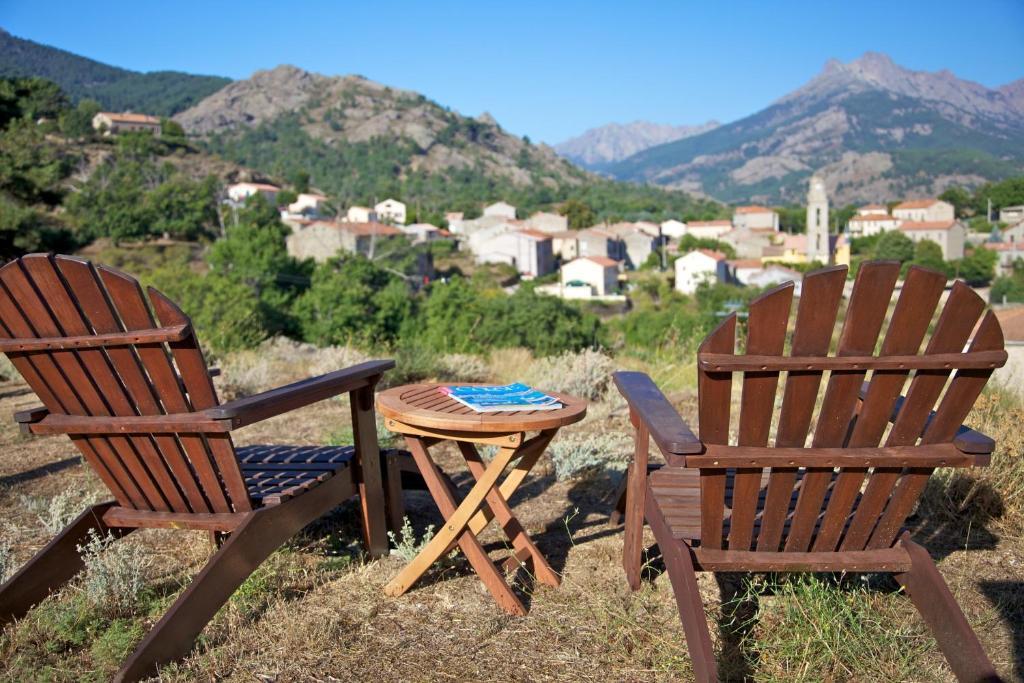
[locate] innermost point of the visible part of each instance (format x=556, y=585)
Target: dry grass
x=316, y=610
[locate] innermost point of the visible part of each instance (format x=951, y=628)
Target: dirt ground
x=316, y=611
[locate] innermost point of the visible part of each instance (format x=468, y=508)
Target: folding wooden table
x=426, y=417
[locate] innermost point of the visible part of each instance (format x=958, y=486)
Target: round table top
x=422, y=405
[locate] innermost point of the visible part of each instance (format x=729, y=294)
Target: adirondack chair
x=738, y=497
x=136, y=398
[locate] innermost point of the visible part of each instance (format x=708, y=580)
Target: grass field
x=316, y=610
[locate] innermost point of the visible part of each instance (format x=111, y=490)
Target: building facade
x=817, y=221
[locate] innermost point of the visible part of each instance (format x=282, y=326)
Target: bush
x=586, y=374
x=405, y=545
x=6, y=560
x=575, y=454
x=462, y=367
x=57, y=512
x=115, y=573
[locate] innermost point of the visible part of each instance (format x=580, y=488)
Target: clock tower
x=818, y=248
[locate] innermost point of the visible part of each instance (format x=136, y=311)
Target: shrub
x=462, y=367
x=6, y=560
x=586, y=374
x=575, y=454
x=7, y=369
x=57, y=512
x=115, y=573
x=405, y=545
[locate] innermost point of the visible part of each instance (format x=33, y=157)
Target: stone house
x=307, y=204
x=361, y=214
x=673, y=229
x=869, y=209
x=501, y=210
x=599, y=242
x=924, y=211
x=112, y=123
x=565, y=245
x=867, y=224
x=323, y=240
x=545, y=221
x=755, y=218
x=949, y=235
x=1011, y=214
x=529, y=251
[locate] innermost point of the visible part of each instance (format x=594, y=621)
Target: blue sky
x=545, y=69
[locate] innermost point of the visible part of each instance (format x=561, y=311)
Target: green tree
x=978, y=267
x=1009, y=288
x=171, y=130
x=961, y=199
x=77, y=122
x=894, y=245
x=579, y=214
x=929, y=255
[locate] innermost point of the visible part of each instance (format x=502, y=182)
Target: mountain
x=596, y=148
x=873, y=129
x=160, y=93
x=359, y=141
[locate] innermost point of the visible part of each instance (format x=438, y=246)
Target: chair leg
x=636, y=488
x=53, y=566
x=933, y=599
x=246, y=548
x=618, y=512
x=395, y=507
x=679, y=563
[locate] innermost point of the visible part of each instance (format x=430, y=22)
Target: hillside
x=360, y=141
x=161, y=93
x=596, y=148
x=873, y=129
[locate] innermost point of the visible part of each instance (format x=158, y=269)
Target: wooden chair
x=747, y=499
x=136, y=398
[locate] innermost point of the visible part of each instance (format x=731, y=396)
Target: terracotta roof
x=746, y=263
x=753, y=209
x=259, y=186
x=600, y=232
x=717, y=255
x=1003, y=246
x=709, y=224
x=873, y=217
x=927, y=225
x=535, y=234
x=601, y=261
x=916, y=204
x=128, y=117
x=1012, y=322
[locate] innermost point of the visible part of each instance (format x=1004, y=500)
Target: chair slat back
x=62, y=300
x=823, y=509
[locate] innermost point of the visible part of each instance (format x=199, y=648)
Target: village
x=596, y=263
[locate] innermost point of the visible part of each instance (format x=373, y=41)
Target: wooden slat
x=715, y=396
x=126, y=296
x=941, y=455
x=911, y=317
x=869, y=302
x=84, y=281
x=956, y=404
x=64, y=371
x=153, y=471
x=962, y=310
x=713, y=362
x=815, y=321
x=669, y=431
x=93, y=341
x=887, y=560
x=766, y=335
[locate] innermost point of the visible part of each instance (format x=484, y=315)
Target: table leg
x=499, y=508
x=456, y=521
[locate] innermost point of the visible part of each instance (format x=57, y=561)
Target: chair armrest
x=967, y=440
x=673, y=436
x=250, y=409
x=30, y=415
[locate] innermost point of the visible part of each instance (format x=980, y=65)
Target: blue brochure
x=495, y=399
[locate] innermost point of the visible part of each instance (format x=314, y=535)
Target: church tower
x=817, y=222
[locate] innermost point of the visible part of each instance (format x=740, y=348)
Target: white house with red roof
x=673, y=229
x=924, y=211
x=698, y=267
x=589, y=276
x=867, y=224
x=307, y=204
x=755, y=218
x=950, y=235
x=708, y=229
x=111, y=123
x=391, y=211
x=239, y=192
x=869, y=209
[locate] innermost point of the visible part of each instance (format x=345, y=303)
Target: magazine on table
x=509, y=397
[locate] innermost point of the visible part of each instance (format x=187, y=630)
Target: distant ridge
x=161, y=93
x=873, y=129
x=598, y=147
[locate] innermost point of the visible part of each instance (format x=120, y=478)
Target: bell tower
x=817, y=222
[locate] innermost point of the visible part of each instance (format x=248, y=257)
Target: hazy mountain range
x=598, y=147
x=872, y=128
